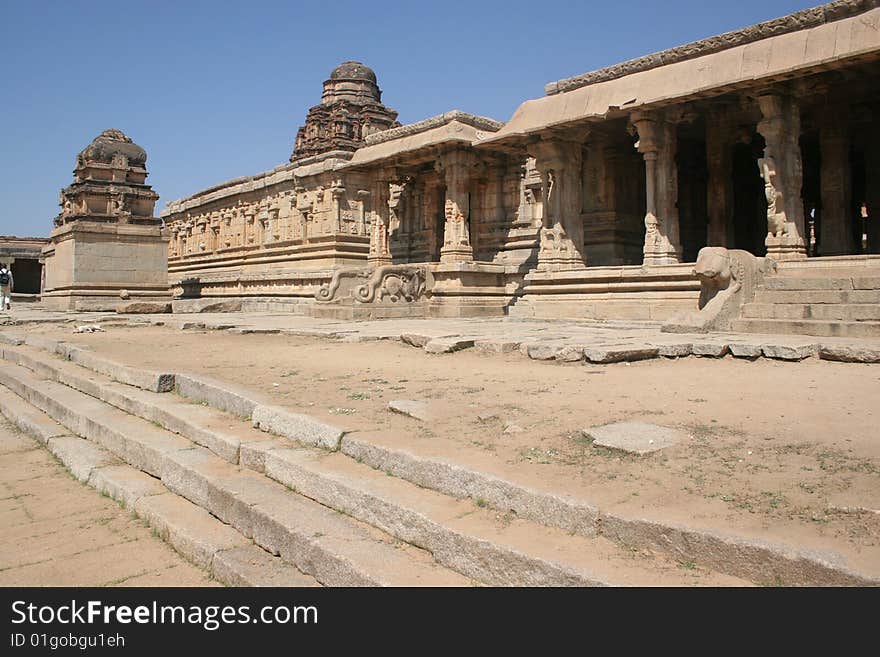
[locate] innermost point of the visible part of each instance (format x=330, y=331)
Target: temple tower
x=107, y=247
x=351, y=108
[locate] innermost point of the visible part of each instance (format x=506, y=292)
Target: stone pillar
x=456, y=230
x=782, y=171
x=835, y=177
x=274, y=224
x=719, y=184
x=872, y=188
x=657, y=144
x=562, y=229
x=380, y=250
x=262, y=235
x=364, y=207
x=247, y=230
x=337, y=192
x=226, y=230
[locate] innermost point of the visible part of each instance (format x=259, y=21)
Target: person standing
x=6, y=284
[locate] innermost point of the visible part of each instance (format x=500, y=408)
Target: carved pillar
x=201, y=234
x=719, y=184
x=247, y=227
x=262, y=224
x=274, y=224
x=380, y=251
x=782, y=171
x=657, y=144
x=836, y=189
x=226, y=231
x=364, y=208
x=213, y=232
x=562, y=230
x=337, y=192
x=456, y=230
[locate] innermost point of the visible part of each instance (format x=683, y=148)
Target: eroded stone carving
x=728, y=278
x=389, y=283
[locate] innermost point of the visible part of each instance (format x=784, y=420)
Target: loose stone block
x=789, y=352
x=679, y=350
x=849, y=353
x=635, y=437
x=414, y=339
x=497, y=346
x=539, y=351
x=569, y=354
x=619, y=354
x=448, y=345
x=710, y=349
x=739, y=350
x=143, y=308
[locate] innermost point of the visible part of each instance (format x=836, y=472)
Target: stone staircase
x=265, y=508
x=822, y=297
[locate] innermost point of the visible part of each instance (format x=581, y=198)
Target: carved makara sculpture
x=392, y=283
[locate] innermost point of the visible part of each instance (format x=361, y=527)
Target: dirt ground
x=786, y=450
x=59, y=532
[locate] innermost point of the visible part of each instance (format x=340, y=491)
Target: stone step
x=461, y=536
x=332, y=548
x=818, y=296
x=816, y=327
x=189, y=529
x=856, y=312
x=830, y=281
x=753, y=558
x=477, y=542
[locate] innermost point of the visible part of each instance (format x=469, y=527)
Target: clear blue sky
x=216, y=90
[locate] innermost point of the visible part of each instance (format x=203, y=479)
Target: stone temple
x=107, y=244
x=592, y=202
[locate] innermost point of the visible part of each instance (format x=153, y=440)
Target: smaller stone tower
x=107, y=248
x=351, y=108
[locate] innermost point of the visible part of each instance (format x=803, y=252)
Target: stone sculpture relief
x=728, y=278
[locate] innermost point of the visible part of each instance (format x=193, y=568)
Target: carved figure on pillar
x=380, y=248
x=456, y=229
x=782, y=171
x=657, y=144
x=562, y=230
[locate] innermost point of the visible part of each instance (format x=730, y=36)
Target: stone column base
x=670, y=255
x=458, y=253
x=785, y=248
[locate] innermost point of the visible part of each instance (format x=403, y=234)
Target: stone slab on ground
x=745, y=350
x=497, y=346
x=850, y=353
x=789, y=351
x=675, y=350
x=603, y=355
x=206, y=305
x=415, y=339
x=448, y=345
x=710, y=349
x=419, y=410
x=635, y=437
x=144, y=308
